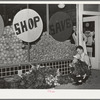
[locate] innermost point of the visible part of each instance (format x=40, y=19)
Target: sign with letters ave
x=60, y=26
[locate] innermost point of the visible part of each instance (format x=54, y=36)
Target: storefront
x=49, y=48
x=89, y=15
x=40, y=35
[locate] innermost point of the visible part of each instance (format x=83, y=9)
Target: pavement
x=93, y=82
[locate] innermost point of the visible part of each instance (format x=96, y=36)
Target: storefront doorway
x=89, y=23
x=90, y=29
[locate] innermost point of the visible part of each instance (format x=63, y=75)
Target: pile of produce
x=37, y=78
x=11, y=48
x=14, y=50
x=47, y=49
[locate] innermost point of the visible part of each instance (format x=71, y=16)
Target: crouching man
x=80, y=66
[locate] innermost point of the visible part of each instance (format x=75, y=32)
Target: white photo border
x=49, y=93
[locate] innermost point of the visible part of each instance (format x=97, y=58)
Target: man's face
x=79, y=51
x=74, y=28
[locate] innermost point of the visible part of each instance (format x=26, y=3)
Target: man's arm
x=87, y=60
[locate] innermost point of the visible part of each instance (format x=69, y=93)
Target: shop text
x=24, y=25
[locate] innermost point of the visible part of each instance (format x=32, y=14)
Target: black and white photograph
x=49, y=46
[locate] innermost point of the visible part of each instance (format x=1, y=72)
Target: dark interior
x=8, y=11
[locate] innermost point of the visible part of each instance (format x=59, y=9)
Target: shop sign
x=27, y=25
x=1, y=25
x=60, y=26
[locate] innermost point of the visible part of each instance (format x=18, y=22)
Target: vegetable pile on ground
x=37, y=78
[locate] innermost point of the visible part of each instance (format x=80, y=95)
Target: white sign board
x=27, y=25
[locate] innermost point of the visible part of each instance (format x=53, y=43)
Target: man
x=83, y=56
x=80, y=67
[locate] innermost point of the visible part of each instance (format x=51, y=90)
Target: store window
x=67, y=18
x=12, y=49
x=91, y=7
x=89, y=31
x=8, y=11
x=45, y=50
x=41, y=10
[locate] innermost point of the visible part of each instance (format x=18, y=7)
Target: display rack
x=10, y=70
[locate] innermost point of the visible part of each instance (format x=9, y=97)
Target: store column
x=79, y=22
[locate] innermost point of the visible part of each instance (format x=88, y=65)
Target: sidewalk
x=92, y=83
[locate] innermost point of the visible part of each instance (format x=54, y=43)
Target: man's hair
x=79, y=47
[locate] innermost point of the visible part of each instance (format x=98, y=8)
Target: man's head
x=74, y=28
x=79, y=49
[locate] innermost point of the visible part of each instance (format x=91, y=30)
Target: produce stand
x=19, y=53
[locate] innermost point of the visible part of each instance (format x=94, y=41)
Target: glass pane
x=89, y=31
x=91, y=7
x=12, y=49
x=41, y=10
x=58, y=16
